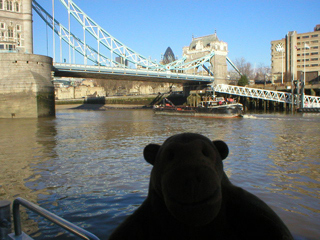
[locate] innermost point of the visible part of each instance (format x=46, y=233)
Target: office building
x=294, y=55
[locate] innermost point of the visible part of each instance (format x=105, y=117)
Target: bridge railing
x=309, y=101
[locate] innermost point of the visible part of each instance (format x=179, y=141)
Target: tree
x=262, y=73
x=244, y=67
x=243, y=81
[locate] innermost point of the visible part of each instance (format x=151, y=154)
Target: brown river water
x=88, y=167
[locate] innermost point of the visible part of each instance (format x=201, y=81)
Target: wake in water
x=284, y=117
x=249, y=116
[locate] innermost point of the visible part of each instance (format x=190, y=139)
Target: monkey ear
x=222, y=148
x=150, y=152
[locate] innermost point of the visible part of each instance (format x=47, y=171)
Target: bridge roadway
x=114, y=73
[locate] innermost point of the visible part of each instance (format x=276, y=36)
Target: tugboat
x=200, y=103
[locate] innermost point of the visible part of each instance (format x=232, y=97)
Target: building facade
x=295, y=55
x=16, y=26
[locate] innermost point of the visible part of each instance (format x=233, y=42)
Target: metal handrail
x=310, y=101
x=70, y=227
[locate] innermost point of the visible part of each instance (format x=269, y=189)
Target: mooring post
x=5, y=219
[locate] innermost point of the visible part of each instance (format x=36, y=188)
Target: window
x=16, y=7
x=315, y=47
x=1, y=4
x=314, y=65
x=10, y=32
x=18, y=27
x=19, y=39
x=2, y=25
x=314, y=59
x=305, y=36
x=314, y=53
x=1, y=46
x=8, y=5
x=11, y=47
x=315, y=35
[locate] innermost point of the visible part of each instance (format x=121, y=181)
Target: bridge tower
x=26, y=90
x=16, y=26
x=202, y=46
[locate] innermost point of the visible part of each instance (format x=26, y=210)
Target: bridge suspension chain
x=73, y=41
x=109, y=42
x=121, y=50
x=105, y=39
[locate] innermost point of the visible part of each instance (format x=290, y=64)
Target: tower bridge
x=105, y=57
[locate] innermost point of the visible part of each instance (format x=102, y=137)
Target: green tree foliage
x=243, y=81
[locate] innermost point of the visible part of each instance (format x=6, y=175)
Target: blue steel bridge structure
x=109, y=58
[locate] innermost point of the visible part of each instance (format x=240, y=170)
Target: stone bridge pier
x=26, y=90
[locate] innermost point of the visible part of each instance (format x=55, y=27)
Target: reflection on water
x=23, y=144
x=87, y=166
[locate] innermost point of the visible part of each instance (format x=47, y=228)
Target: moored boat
x=201, y=104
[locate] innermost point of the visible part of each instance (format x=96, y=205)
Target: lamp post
x=304, y=64
x=306, y=46
x=53, y=37
x=280, y=48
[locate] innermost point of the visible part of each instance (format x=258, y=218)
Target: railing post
x=16, y=218
x=5, y=219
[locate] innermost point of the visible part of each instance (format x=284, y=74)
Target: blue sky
x=149, y=27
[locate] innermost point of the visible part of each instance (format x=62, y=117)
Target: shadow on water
x=94, y=107
x=92, y=103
